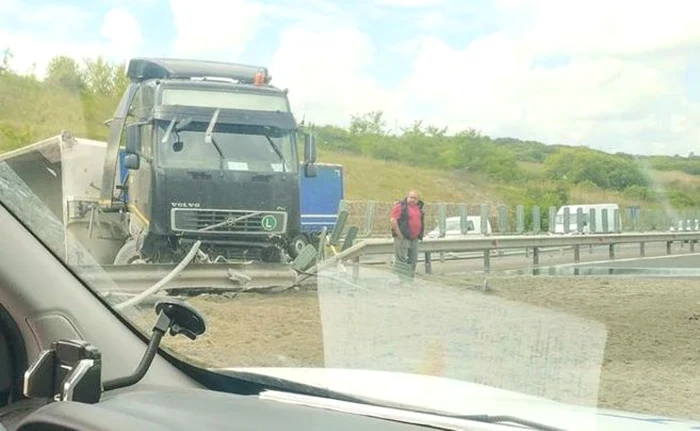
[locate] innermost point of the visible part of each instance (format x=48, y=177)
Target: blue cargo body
x=320, y=198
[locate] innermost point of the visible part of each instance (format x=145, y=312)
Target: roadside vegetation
x=467, y=166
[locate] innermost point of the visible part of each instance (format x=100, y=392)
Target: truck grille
x=221, y=221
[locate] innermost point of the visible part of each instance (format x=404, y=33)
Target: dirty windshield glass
x=246, y=149
x=313, y=194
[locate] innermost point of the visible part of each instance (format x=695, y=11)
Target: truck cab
x=205, y=151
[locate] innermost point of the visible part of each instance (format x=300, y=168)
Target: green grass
x=370, y=179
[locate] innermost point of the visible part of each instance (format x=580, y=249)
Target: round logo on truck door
x=269, y=222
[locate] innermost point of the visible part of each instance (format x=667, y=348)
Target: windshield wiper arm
x=277, y=150
x=168, y=131
x=209, y=138
x=496, y=419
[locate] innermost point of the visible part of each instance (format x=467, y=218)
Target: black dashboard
x=194, y=409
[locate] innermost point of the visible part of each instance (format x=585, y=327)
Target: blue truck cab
x=320, y=199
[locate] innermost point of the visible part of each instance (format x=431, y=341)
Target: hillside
x=381, y=165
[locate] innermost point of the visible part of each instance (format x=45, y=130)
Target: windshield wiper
x=209, y=138
x=282, y=385
x=168, y=131
x=277, y=150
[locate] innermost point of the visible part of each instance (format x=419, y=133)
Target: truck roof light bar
x=141, y=69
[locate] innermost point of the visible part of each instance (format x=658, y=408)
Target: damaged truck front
x=205, y=151
x=197, y=151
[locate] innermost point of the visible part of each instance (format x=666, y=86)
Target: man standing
x=407, y=229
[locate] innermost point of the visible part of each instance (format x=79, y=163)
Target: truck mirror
x=310, y=170
x=133, y=138
x=132, y=162
x=309, y=149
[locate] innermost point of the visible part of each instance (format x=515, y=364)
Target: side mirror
x=310, y=170
x=309, y=149
x=132, y=162
x=133, y=138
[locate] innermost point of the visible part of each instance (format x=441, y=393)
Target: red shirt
x=413, y=218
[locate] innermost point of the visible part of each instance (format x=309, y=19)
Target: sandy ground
x=647, y=331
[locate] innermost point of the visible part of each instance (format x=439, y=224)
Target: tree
x=65, y=72
x=6, y=59
x=370, y=123
x=102, y=77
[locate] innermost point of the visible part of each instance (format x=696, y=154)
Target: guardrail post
x=579, y=220
x=442, y=222
x=567, y=220
x=617, y=220
x=577, y=254
x=484, y=211
x=612, y=251
x=536, y=219
x=552, y=220
x=692, y=246
x=592, y=225
x=464, y=219
x=520, y=219
x=487, y=261
x=604, y=217
x=642, y=250
x=369, y=218
x=502, y=219
x=668, y=247
x=535, y=255
x=428, y=263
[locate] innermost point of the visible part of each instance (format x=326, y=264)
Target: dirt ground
x=651, y=360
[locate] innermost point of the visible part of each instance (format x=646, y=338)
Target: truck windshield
x=245, y=148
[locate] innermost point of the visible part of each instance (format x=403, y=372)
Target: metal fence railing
x=372, y=219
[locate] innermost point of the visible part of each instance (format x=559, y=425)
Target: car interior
x=42, y=302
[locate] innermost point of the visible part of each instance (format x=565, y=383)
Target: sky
x=617, y=76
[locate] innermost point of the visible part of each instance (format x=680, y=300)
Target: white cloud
x=60, y=30
x=598, y=27
x=32, y=52
x=325, y=71
x=9, y=6
x=123, y=32
x=621, y=88
x=214, y=27
x=410, y=3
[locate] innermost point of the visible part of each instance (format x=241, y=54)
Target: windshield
x=315, y=253
x=245, y=148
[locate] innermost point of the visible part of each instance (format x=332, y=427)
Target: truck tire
x=271, y=254
x=298, y=243
x=128, y=254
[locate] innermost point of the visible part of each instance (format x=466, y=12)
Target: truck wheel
x=297, y=245
x=128, y=254
x=271, y=254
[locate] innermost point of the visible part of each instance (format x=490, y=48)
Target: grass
x=370, y=179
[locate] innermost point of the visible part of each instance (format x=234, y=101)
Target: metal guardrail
x=534, y=242
x=215, y=276
x=371, y=218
